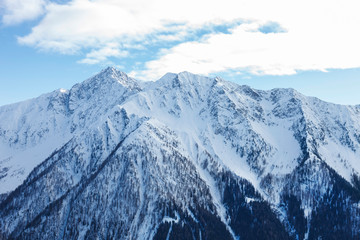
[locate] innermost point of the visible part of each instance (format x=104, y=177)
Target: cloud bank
x=277, y=37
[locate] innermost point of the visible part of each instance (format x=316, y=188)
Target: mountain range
x=184, y=157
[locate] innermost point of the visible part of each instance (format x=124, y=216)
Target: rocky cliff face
x=186, y=157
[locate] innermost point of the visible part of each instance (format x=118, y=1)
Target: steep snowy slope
x=30, y=131
x=185, y=157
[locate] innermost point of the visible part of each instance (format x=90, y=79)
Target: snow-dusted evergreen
x=185, y=157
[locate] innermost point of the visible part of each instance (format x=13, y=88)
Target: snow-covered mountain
x=185, y=157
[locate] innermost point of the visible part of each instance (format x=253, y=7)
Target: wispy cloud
x=18, y=11
x=258, y=36
x=67, y=28
x=271, y=27
x=102, y=54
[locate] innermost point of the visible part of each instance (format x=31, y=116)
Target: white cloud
x=17, y=11
x=248, y=50
x=319, y=34
x=102, y=54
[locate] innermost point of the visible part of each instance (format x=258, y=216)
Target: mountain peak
x=185, y=79
x=109, y=82
x=112, y=72
x=168, y=76
x=108, y=77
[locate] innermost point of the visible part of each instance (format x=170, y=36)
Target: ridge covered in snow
x=167, y=154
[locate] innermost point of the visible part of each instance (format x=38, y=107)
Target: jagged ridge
x=184, y=157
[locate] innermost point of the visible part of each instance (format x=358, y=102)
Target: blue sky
x=310, y=46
